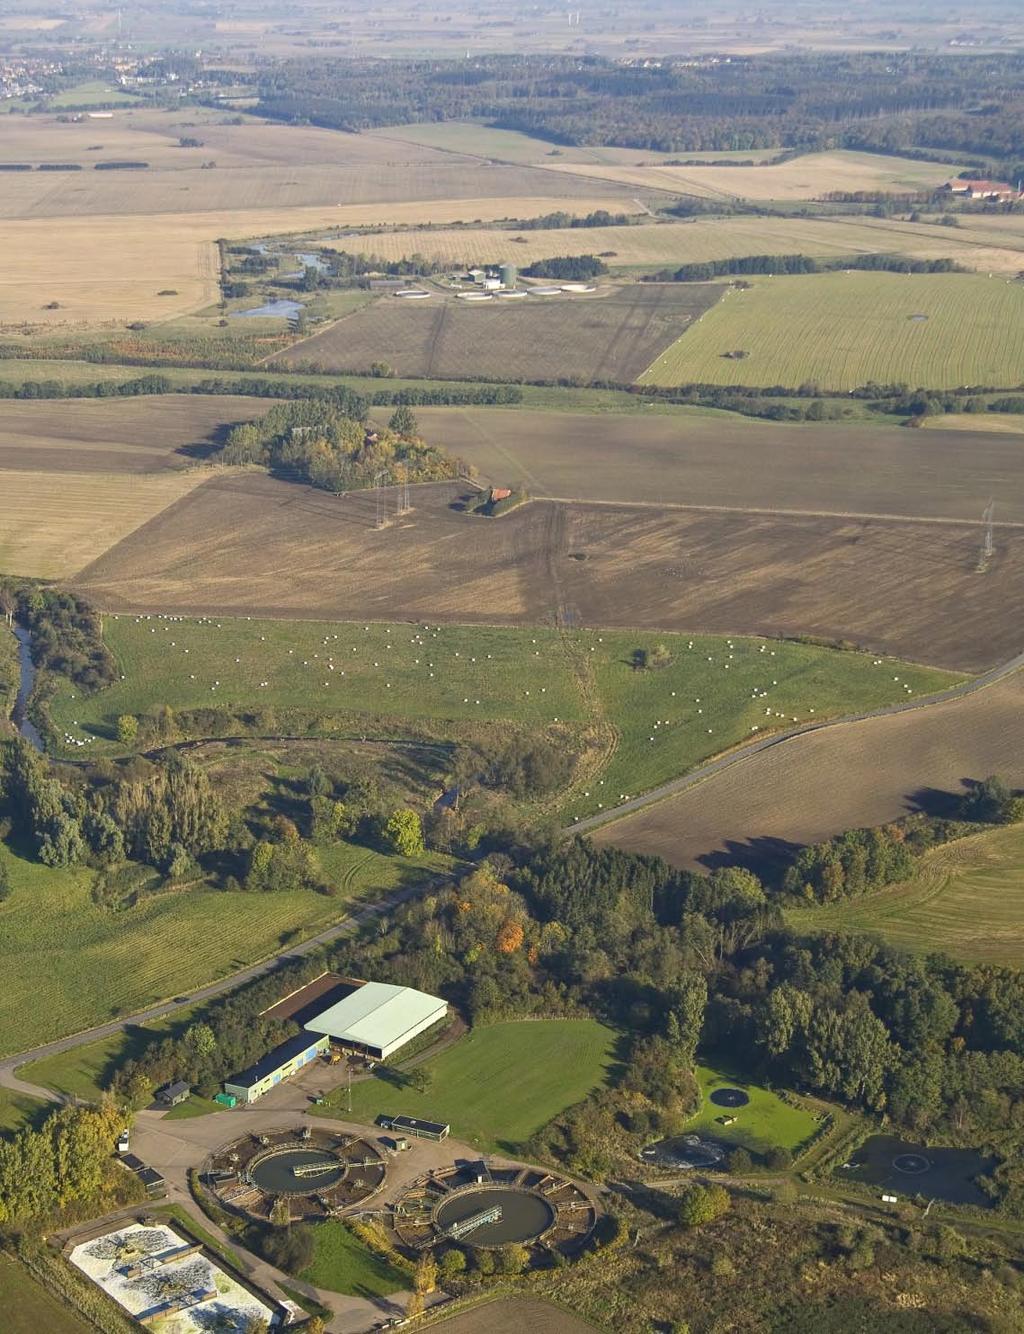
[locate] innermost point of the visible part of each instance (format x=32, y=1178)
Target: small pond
x=903, y=1168
x=684, y=1152
x=282, y=309
x=312, y=261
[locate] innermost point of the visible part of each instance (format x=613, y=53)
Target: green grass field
x=845, y=329
x=709, y=698
x=766, y=1122
x=80, y=1072
x=92, y=93
x=18, y=1111
x=966, y=900
x=99, y=964
x=28, y=1308
x=341, y=1263
x=498, y=1085
x=194, y=1106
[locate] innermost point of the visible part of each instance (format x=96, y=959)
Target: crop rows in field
x=612, y=336
x=706, y=457
x=964, y=900
x=846, y=329
x=145, y=434
x=51, y=528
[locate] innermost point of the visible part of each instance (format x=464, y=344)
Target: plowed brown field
x=116, y=435
x=610, y=336
x=719, y=458
x=839, y=778
x=248, y=544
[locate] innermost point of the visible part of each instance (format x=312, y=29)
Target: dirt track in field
x=116, y=435
x=246, y=544
x=843, y=777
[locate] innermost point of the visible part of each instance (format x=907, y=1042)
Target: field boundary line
x=785, y=513
x=704, y=772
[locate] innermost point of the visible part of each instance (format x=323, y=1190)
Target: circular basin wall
x=729, y=1097
x=275, y=1172
x=524, y=1215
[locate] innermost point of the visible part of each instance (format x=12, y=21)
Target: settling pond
x=524, y=1215
x=272, y=310
x=276, y=1174
x=685, y=1152
x=903, y=1168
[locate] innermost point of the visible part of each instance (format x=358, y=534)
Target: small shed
x=171, y=1094
x=412, y=1125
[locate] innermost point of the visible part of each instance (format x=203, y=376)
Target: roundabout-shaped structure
x=316, y=1172
x=480, y=1207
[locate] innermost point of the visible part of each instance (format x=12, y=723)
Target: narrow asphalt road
x=746, y=751
x=347, y=924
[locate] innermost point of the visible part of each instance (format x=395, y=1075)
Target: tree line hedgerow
x=789, y=264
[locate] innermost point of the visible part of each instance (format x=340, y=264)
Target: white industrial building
x=379, y=1019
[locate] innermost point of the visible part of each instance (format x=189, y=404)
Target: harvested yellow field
x=477, y=140
x=999, y=423
x=374, y=185
x=807, y=177
x=104, y=269
x=29, y=23
x=673, y=243
x=52, y=526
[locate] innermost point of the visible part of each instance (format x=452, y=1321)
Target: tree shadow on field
x=210, y=445
x=766, y=856
x=937, y=802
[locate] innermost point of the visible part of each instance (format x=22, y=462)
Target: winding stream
x=19, y=715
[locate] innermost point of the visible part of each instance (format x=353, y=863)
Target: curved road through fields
x=347, y=924
x=9, y=1064
x=746, y=751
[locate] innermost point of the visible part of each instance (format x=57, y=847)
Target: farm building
x=379, y=1019
x=276, y=1066
x=1000, y=191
